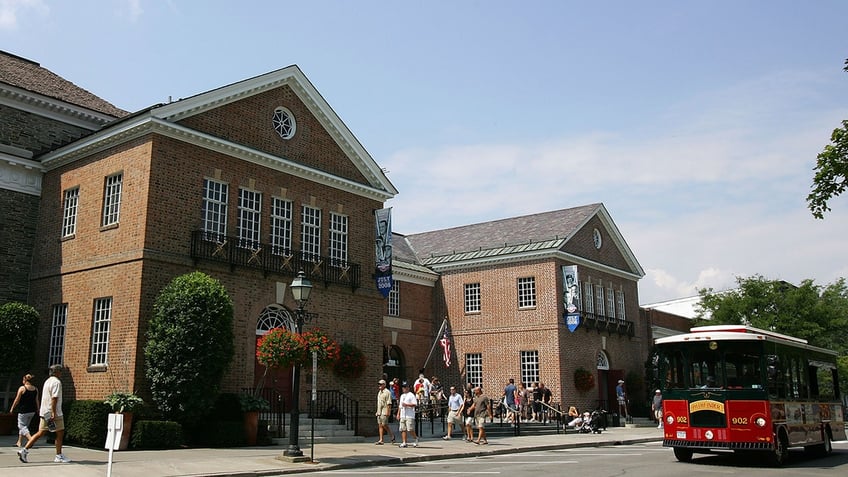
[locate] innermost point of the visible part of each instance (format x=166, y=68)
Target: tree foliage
x=831, y=171
x=189, y=345
x=817, y=314
x=18, y=330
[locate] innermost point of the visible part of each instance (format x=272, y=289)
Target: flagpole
x=435, y=342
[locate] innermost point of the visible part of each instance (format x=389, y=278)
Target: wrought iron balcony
x=270, y=259
x=592, y=321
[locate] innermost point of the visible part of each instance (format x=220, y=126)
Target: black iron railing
x=601, y=323
x=274, y=416
x=334, y=404
x=272, y=259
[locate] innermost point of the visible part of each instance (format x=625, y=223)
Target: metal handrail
x=334, y=404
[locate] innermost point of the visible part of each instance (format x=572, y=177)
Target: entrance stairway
x=326, y=431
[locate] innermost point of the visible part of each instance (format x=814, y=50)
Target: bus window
x=776, y=377
x=703, y=372
x=743, y=371
x=673, y=368
x=821, y=381
x=800, y=368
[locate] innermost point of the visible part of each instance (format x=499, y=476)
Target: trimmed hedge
x=156, y=435
x=85, y=423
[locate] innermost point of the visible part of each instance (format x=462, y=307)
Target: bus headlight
x=709, y=435
x=760, y=422
x=669, y=419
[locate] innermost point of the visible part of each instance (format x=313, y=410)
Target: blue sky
x=697, y=124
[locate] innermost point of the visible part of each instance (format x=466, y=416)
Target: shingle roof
x=546, y=229
x=31, y=76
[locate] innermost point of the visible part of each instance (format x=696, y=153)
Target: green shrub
x=156, y=435
x=18, y=331
x=85, y=423
x=210, y=433
x=190, y=345
x=227, y=408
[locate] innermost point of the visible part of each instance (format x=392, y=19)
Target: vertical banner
x=383, y=248
x=446, y=347
x=570, y=297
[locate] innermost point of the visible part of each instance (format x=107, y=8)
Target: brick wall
x=17, y=236
x=36, y=133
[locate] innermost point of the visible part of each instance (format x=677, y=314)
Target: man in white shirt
x=455, y=405
x=406, y=414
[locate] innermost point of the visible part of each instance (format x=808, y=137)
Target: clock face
x=596, y=237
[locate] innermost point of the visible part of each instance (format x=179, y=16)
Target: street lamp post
x=300, y=288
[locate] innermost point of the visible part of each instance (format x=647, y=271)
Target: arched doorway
x=277, y=380
x=394, y=363
x=603, y=381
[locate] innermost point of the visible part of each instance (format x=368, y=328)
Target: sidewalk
x=261, y=461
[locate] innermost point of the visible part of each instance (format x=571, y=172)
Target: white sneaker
x=22, y=455
x=416, y=443
x=402, y=444
x=61, y=458
x=659, y=427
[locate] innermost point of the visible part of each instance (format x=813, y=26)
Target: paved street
x=261, y=461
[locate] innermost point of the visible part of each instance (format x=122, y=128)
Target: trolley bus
x=741, y=388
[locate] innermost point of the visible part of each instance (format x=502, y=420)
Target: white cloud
x=10, y=10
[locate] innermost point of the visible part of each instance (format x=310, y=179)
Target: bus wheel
x=823, y=449
x=683, y=454
x=780, y=454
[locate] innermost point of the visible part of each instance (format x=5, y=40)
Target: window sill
x=97, y=368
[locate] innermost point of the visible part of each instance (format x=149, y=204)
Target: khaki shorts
x=455, y=417
x=59, y=421
x=407, y=424
x=480, y=421
x=382, y=420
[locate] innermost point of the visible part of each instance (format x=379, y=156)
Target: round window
x=284, y=123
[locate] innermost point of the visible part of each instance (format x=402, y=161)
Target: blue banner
x=383, y=251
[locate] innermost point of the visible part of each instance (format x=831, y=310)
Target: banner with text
x=383, y=248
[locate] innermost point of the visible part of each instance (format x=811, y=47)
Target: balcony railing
x=270, y=259
x=592, y=321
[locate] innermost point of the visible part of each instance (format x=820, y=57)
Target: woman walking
x=27, y=404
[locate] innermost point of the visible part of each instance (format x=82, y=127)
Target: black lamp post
x=300, y=287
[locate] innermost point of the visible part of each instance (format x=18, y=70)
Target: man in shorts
x=406, y=414
x=384, y=408
x=455, y=407
x=482, y=408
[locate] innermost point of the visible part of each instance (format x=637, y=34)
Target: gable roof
x=31, y=77
x=517, y=238
x=163, y=120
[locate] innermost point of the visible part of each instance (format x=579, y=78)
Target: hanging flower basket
x=281, y=348
x=350, y=363
x=583, y=380
x=326, y=347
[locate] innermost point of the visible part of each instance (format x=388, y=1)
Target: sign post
x=114, y=429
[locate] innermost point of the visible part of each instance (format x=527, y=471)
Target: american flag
x=446, y=343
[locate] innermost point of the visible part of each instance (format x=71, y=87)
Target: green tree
x=831, y=171
x=189, y=345
x=18, y=331
x=817, y=314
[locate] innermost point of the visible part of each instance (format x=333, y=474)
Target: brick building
x=501, y=287
x=254, y=181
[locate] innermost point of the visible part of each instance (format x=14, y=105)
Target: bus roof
x=738, y=333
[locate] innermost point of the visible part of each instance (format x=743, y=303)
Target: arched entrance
x=603, y=381
x=394, y=363
x=277, y=380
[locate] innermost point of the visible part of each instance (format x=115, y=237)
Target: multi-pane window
x=589, y=301
x=215, y=210
x=100, y=331
x=610, y=303
x=474, y=368
x=69, y=212
x=249, y=213
x=527, y=292
x=619, y=309
x=472, y=297
x=338, y=239
x=57, y=334
x=394, y=299
x=529, y=367
x=112, y=199
x=281, y=226
x=310, y=233
x=599, y=301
